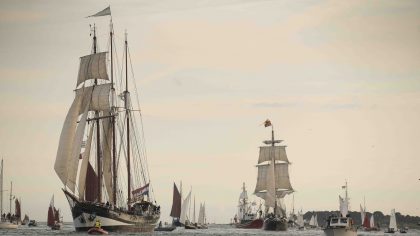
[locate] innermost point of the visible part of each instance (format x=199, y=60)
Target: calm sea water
x=68, y=229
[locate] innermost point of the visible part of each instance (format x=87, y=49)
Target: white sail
x=266, y=153
x=201, y=215
x=106, y=140
x=316, y=221
x=73, y=162
x=65, y=145
x=393, y=220
x=282, y=180
x=312, y=221
x=184, y=208
x=362, y=214
x=372, y=222
x=344, y=207
x=93, y=98
x=92, y=67
x=84, y=166
x=300, y=221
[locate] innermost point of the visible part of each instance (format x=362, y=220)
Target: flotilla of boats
x=100, y=131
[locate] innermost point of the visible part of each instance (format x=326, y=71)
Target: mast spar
x=114, y=154
x=127, y=109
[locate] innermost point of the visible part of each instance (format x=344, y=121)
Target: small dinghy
x=97, y=231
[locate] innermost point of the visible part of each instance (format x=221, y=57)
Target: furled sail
x=92, y=67
x=84, y=166
x=176, y=203
x=184, y=208
x=267, y=152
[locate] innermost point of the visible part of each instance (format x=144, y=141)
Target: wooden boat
x=246, y=218
x=32, y=223
x=54, y=221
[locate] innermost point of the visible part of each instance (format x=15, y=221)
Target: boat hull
x=85, y=215
x=340, y=232
x=8, y=225
x=253, y=224
x=275, y=224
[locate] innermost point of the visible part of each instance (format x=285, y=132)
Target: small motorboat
x=97, y=231
x=166, y=228
x=32, y=223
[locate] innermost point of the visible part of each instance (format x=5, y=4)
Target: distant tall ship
x=7, y=221
x=273, y=182
x=246, y=218
x=105, y=176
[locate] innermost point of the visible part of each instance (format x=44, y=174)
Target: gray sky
x=340, y=81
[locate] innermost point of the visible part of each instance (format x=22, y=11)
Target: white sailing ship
x=273, y=182
x=392, y=228
x=106, y=177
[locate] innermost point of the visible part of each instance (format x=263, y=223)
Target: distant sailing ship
x=54, y=220
x=113, y=165
x=176, y=207
x=299, y=221
x=7, y=221
x=273, y=182
x=246, y=218
x=342, y=224
x=25, y=220
x=313, y=222
x=202, y=220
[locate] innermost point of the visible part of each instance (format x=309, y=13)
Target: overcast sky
x=339, y=80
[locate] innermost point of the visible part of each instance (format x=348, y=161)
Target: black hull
x=275, y=224
x=85, y=214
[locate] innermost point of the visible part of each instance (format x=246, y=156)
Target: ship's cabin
x=339, y=222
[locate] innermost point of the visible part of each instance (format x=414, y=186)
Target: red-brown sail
x=91, y=193
x=17, y=210
x=176, y=203
x=51, y=218
x=366, y=222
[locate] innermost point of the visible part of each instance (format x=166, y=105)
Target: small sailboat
x=299, y=221
x=392, y=223
x=33, y=223
x=7, y=221
x=190, y=224
x=201, y=222
x=25, y=220
x=341, y=225
x=176, y=207
x=54, y=220
x=246, y=218
x=313, y=222
x=273, y=182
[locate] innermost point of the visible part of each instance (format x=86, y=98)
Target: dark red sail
x=17, y=209
x=366, y=222
x=91, y=193
x=51, y=218
x=176, y=203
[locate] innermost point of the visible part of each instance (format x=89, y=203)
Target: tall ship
x=341, y=224
x=273, y=182
x=101, y=158
x=246, y=217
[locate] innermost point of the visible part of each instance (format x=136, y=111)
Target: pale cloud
x=20, y=16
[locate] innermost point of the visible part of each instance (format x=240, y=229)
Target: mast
x=114, y=161
x=127, y=110
x=10, y=204
x=273, y=162
x=1, y=188
x=194, y=210
x=98, y=131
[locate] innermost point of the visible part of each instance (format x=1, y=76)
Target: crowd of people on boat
x=9, y=217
